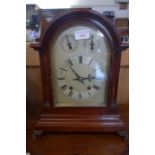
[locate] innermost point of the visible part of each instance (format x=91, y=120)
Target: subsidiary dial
x=68, y=43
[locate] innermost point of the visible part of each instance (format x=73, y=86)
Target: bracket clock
x=80, y=54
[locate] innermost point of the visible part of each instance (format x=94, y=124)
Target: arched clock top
x=81, y=16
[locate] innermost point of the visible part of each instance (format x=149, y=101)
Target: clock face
x=80, y=62
x=80, y=77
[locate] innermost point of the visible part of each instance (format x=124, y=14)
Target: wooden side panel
x=123, y=86
x=125, y=58
x=33, y=85
x=32, y=57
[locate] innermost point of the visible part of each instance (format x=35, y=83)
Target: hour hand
x=89, y=78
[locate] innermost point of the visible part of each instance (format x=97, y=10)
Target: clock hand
x=92, y=43
x=89, y=78
x=68, y=43
x=74, y=72
x=80, y=79
x=69, y=63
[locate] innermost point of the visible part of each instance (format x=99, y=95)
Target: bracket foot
x=36, y=134
x=124, y=134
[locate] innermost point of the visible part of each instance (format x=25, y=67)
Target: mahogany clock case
x=87, y=119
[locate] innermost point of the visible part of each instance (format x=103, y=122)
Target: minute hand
x=75, y=72
x=79, y=78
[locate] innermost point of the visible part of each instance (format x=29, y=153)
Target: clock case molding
x=79, y=119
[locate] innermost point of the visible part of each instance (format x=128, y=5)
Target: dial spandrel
x=80, y=68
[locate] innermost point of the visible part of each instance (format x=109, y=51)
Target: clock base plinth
x=80, y=123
